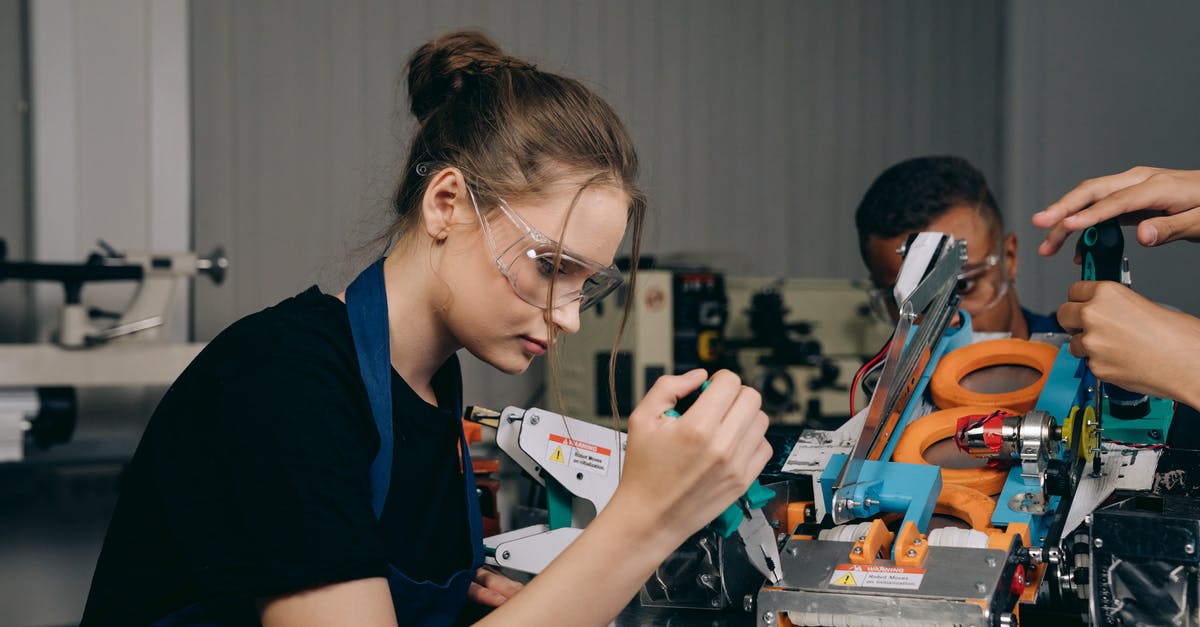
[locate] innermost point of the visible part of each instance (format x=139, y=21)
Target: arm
x=359, y=602
x=1165, y=204
x=1132, y=342
x=678, y=475
x=366, y=602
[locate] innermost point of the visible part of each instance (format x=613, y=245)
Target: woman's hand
x=1132, y=342
x=1165, y=204
x=491, y=588
x=679, y=473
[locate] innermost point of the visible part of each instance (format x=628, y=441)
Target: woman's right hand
x=680, y=473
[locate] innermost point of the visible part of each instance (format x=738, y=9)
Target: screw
x=1098, y=543
x=715, y=602
x=534, y=420
x=979, y=587
x=917, y=541
x=1088, y=519
x=505, y=555
x=858, y=550
x=1189, y=548
x=862, y=538
x=781, y=537
x=579, y=476
x=991, y=561
x=748, y=603
x=793, y=551
x=769, y=618
x=1154, y=434
x=706, y=579
x=911, y=553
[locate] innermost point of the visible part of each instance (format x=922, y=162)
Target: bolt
x=980, y=588
x=793, y=551
x=1098, y=543
x=991, y=561
x=715, y=602
x=505, y=555
x=1189, y=548
x=1154, y=434
x=748, y=603
x=534, y=420
x=911, y=553
x=858, y=550
x=769, y=618
x=579, y=476
x=1087, y=519
x=706, y=579
x=780, y=537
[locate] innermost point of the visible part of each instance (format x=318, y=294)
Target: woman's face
x=485, y=313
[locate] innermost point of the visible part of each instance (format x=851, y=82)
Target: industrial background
x=276, y=129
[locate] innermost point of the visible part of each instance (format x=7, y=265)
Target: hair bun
x=438, y=69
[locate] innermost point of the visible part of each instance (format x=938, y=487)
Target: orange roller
x=926, y=431
x=966, y=504
x=947, y=389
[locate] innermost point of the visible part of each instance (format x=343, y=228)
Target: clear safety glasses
x=527, y=258
x=981, y=285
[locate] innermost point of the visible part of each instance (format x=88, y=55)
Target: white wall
x=111, y=130
x=1094, y=87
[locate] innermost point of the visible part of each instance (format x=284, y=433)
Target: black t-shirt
x=253, y=476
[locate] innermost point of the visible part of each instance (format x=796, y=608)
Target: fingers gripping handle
x=756, y=495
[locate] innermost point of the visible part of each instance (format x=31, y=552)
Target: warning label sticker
x=894, y=577
x=579, y=454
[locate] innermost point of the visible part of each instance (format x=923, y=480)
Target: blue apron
x=423, y=603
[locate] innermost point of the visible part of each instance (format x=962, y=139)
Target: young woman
x=305, y=469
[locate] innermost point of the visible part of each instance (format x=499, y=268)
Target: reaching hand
x=1132, y=342
x=1165, y=204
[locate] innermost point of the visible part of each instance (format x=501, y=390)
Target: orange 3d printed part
x=940, y=425
x=946, y=384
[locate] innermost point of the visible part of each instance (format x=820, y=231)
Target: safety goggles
x=981, y=286
x=527, y=258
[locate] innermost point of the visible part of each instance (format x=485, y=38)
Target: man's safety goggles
x=981, y=286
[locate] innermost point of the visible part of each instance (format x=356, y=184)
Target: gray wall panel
x=1085, y=102
x=759, y=123
x=15, y=296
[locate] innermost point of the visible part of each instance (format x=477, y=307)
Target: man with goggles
x=534, y=265
x=949, y=195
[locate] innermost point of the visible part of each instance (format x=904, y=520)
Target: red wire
x=865, y=369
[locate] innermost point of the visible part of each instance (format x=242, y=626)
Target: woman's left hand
x=491, y=588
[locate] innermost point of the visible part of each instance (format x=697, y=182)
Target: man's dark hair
x=913, y=193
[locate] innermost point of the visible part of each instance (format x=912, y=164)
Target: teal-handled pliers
x=746, y=518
